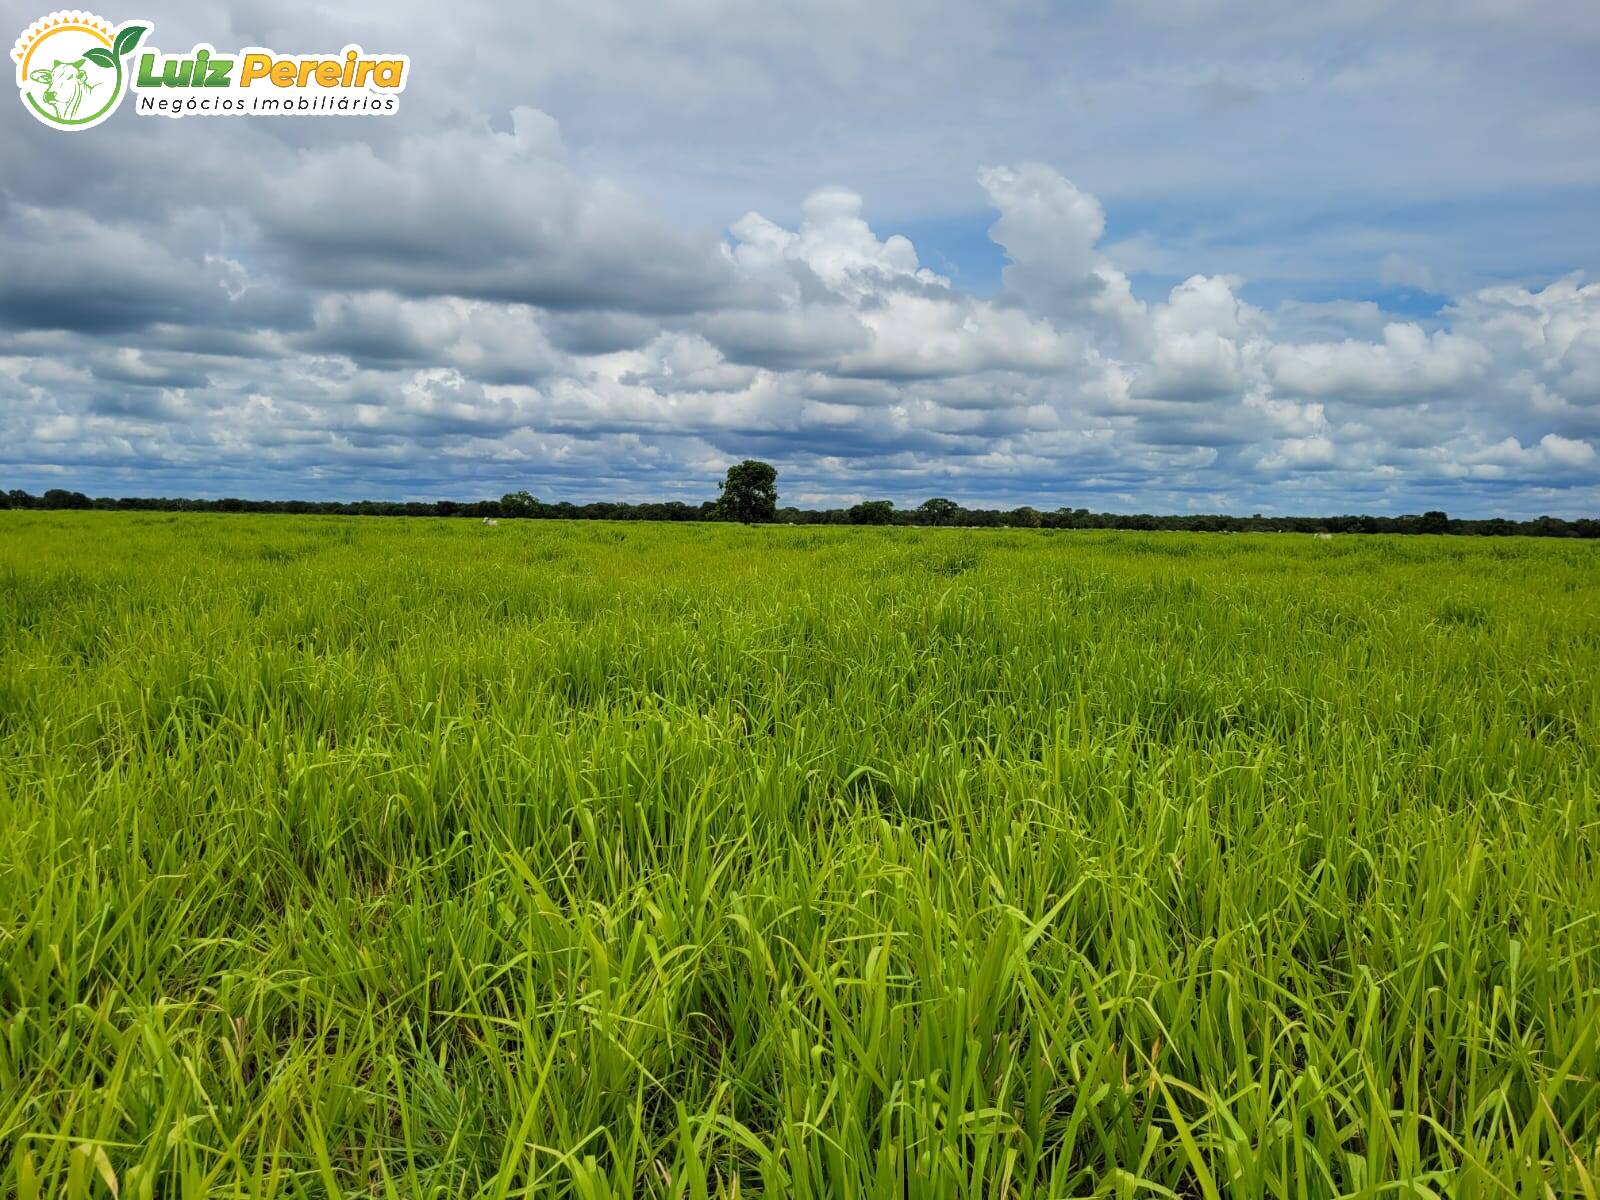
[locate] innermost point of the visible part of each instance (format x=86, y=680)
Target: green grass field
x=373, y=858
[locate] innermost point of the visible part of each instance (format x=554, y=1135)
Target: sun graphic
x=70, y=69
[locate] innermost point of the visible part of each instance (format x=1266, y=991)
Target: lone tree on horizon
x=749, y=493
x=518, y=504
x=872, y=512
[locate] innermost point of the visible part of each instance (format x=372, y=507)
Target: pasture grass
x=410, y=858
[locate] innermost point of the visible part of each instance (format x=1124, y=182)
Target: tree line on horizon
x=749, y=494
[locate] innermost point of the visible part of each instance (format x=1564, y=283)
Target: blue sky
x=1207, y=255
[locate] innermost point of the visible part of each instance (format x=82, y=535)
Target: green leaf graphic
x=129, y=38
x=100, y=56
